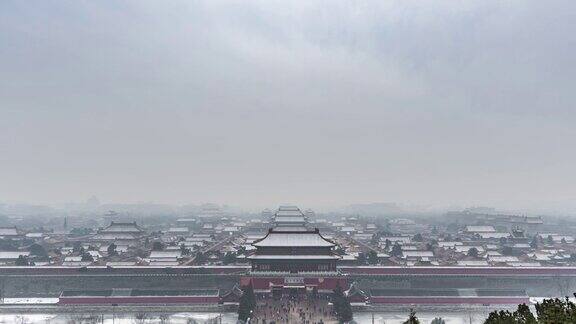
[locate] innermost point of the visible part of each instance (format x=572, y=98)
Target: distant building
x=9, y=232
x=124, y=233
x=178, y=230
x=11, y=256
x=403, y=225
x=187, y=222
x=289, y=216
x=480, y=229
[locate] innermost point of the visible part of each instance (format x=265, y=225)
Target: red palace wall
x=450, y=300
x=459, y=271
x=140, y=300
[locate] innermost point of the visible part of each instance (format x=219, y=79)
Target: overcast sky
x=317, y=103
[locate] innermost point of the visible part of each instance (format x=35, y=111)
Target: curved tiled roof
x=293, y=239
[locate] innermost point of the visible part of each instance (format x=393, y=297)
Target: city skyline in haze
x=315, y=103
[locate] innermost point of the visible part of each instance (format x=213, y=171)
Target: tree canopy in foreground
x=550, y=311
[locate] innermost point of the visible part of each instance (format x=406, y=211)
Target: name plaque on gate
x=293, y=280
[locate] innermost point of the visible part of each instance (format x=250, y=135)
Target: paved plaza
x=293, y=310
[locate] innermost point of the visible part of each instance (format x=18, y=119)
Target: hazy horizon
x=317, y=103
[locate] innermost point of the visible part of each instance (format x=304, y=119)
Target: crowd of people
x=293, y=309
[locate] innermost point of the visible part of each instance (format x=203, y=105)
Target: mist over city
x=273, y=162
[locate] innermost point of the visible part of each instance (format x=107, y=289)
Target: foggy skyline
x=317, y=103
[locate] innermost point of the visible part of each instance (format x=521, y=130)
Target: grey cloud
x=318, y=102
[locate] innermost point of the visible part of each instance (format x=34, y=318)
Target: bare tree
x=141, y=317
x=164, y=318
x=20, y=319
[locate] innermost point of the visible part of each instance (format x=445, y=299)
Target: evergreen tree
x=337, y=296
x=534, y=242
x=556, y=311
x=157, y=246
x=412, y=319
x=387, y=244
x=438, y=320
x=373, y=257
x=524, y=315
x=112, y=249
x=86, y=257
x=550, y=311
x=77, y=247
x=247, y=303
x=473, y=252
x=22, y=261
x=396, y=250
x=39, y=251
x=341, y=305
x=184, y=250
x=361, y=258
x=229, y=257
x=500, y=317
x=200, y=258
x=345, y=311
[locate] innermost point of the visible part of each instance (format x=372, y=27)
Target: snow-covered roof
x=414, y=254
x=73, y=259
x=35, y=235
x=294, y=257
x=178, y=230
x=348, y=257
x=493, y=235
x=466, y=248
x=394, y=239
x=165, y=254
x=164, y=263
x=525, y=264
x=473, y=263
x=12, y=255
x=288, y=207
x=290, y=219
x=480, y=229
x=94, y=254
x=449, y=244
x=402, y=221
x=8, y=231
x=289, y=229
x=503, y=258
x=113, y=236
x=117, y=227
x=293, y=239
x=120, y=263
x=287, y=213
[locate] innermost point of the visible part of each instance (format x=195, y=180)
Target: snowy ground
x=464, y=317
